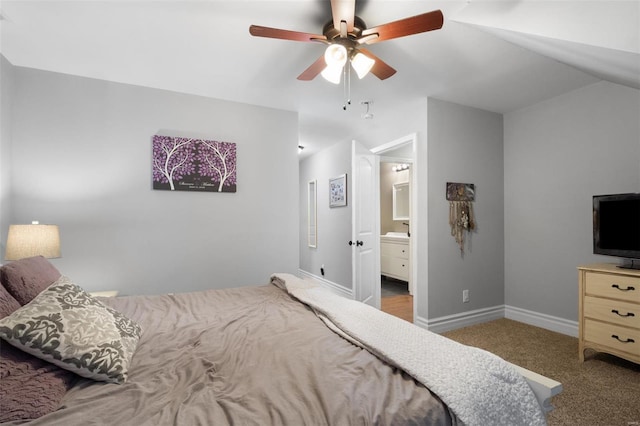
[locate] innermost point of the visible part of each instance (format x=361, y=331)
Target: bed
x=287, y=352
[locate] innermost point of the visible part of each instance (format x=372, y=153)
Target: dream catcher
x=461, y=220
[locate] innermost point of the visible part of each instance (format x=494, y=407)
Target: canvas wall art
x=187, y=164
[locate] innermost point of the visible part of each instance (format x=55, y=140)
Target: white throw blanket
x=479, y=387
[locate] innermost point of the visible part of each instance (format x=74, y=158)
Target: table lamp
x=32, y=240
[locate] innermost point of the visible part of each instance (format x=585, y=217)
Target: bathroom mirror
x=312, y=230
x=401, y=201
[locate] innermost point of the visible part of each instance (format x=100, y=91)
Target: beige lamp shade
x=32, y=240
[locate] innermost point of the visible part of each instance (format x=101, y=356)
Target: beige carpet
x=602, y=391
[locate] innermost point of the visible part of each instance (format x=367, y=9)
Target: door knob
x=359, y=243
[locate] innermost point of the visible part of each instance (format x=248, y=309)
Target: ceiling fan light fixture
x=335, y=55
x=332, y=74
x=362, y=64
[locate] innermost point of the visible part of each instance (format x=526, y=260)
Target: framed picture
x=338, y=191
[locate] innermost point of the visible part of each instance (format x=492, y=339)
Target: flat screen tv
x=616, y=227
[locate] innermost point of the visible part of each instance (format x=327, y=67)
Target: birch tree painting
x=218, y=160
x=173, y=159
x=184, y=164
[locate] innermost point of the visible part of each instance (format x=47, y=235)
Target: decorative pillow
x=30, y=387
x=24, y=279
x=67, y=327
x=8, y=304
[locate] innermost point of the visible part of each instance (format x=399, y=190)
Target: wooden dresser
x=609, y=311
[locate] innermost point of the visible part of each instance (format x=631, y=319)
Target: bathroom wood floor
x=400, y=306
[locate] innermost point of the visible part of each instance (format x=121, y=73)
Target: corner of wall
x=6, y=85
x=333, y=224
x=330, y=285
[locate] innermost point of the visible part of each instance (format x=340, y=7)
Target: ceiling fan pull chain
x=349, y=79
x=346, y=78
x=344, y=88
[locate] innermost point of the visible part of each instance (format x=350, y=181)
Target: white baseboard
x=329, y=285
x=464, y=319
x=559, y=325
x=420, y=322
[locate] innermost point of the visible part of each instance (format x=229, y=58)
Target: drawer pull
x=629, y=288
x=628, y=314
x=623, y=341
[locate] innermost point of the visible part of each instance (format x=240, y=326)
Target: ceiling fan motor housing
x=350, y=42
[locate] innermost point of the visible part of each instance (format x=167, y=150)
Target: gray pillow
x=64, y=325
x=8, y=304
x=24, y=279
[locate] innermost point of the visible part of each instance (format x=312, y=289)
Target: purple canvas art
x=185, y=164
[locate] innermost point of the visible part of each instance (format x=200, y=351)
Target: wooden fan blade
x=343, y=10
x=315, y=69
x=414, y=25
x=258, y=31
x=380, y=69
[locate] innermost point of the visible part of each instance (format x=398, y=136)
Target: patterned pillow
x=67, y=327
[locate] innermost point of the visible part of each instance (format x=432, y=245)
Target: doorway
x=396, y=168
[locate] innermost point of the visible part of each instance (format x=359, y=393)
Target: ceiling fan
x=346, y=36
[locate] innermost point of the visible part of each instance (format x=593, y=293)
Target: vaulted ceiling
x=498, y=55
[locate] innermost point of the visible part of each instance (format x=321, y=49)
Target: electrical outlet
x=465, y=296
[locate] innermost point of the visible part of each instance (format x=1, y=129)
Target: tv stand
x=609, y=311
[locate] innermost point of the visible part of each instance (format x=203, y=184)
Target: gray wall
x=558, y=154
x=6, y=97
x=465, y=145
x=82, y=160
x=334, y=224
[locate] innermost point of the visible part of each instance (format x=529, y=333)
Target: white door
x=366, y=239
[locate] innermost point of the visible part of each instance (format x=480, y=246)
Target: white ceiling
x=498, y=55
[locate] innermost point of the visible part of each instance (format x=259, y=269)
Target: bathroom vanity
x=395, y=257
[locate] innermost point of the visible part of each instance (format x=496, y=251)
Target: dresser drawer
x=613, y=286
x=615, y=311
x=616, y=337
x=395, y=250
x=394, y=267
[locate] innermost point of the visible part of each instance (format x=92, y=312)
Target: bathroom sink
x=396, y=234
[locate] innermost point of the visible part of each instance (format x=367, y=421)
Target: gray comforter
x=246, y=356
